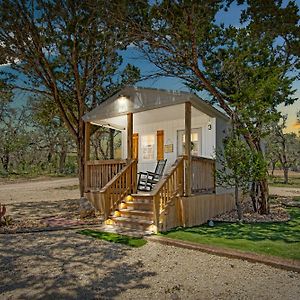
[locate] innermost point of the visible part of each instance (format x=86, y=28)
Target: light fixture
x=209, y=125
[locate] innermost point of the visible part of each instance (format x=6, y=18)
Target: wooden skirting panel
x=97, y=201
x=196, y=210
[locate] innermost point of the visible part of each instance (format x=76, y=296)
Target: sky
x=228, y=18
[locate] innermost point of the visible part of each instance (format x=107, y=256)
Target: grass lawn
x=294, y=181
x=114, y=237
x=278, y=239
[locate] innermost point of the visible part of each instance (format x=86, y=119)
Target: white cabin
x=159, y=124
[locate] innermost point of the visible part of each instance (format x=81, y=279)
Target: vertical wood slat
x=203, y=174
x=99, y=173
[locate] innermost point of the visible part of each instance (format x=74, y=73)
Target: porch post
x=129, y=135
x=87, y=138
x=188, y=129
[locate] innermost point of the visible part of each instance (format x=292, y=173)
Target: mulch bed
x=278, y=213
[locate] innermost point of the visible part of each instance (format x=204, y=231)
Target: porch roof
x=135, y=99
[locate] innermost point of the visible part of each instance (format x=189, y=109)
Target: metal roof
x=136, y=99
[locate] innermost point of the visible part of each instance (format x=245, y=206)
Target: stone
x=86, y=209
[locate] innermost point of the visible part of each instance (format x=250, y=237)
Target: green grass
x=114, y=238
x=278, y=239
x=294, y=182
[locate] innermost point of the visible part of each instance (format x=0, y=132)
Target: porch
x=184, y=132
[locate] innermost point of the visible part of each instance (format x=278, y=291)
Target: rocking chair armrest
x=143, y=173
x=153, y=174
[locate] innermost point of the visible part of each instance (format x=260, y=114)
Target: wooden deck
x=108, y=183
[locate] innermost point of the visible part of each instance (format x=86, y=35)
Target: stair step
x=132, y=220
x=136, y=212
x=140, y=206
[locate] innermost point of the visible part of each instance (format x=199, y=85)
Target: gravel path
x=66, y=265
x=36, y=191
x=284, y=192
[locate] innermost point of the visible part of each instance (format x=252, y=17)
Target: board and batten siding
x=170, y=129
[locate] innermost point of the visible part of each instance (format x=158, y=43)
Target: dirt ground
x=39, y=190
x=66, y=265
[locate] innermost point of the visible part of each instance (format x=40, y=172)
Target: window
x=195, y=142
x=148, y=146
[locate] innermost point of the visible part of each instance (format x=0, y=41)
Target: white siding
x=171, y=119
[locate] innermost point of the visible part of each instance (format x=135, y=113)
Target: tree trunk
x=253, y=195
x=62, y=158
x=81, y=157
x=5, y=161
x=273, y=167
x=286, y=175
x=264, y=197
x=238, y=203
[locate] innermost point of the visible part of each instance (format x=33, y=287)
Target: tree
x=51, y=134
x=14, y=137
x=238, y=167
x=68, y=51
x=245, y=70
x=284, y=147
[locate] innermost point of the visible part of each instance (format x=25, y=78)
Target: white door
x=196, y=142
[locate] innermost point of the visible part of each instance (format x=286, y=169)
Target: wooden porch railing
x=121, y=185
x=99, y=172
x=203, y=174
x=170, y=187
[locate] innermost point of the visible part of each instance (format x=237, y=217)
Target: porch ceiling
x=169, y=113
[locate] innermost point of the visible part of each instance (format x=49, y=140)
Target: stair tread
x=137, y=201
x=136, y=211
x=132, y=220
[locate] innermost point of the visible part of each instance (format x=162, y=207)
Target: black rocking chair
x=147, y=180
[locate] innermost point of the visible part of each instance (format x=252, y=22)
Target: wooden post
x=129, y=135
x=87, y=138
x=188, y=130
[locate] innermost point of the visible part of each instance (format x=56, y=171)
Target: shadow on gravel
x=42, y=209
x=61, y=265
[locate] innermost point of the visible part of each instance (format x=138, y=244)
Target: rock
x=292, y=204
x=86, y=209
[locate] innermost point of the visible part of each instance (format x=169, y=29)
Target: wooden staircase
x=134, y=216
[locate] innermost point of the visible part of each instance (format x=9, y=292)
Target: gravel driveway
x=40, y=190
x=66, y=265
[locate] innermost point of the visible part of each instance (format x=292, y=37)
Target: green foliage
x=114, y=238
x=278, y=239
x=239, y=165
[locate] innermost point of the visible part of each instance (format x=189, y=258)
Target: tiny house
x=157, y=125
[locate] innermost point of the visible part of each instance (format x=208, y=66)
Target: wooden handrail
x=167, y=190
x=105, y=162
x=122, y=184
